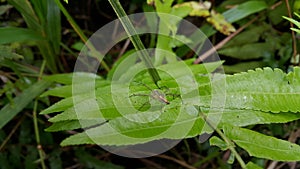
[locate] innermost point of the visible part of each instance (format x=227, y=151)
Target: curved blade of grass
x=13, y=34
x=243, y=10
x=20, y=102
x=54, y=25
x=35, y=20
x=26, y=10
x=135, y=39
x=82, y=36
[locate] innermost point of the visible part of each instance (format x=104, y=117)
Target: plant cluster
x=251, y=112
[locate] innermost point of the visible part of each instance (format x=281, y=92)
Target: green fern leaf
x=262, y=89
x=262, y=146
x=253, y=97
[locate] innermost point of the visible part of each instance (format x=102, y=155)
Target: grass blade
x=20, y=102
x=26, y=10
x=13, y=34
x=82, y=36
x=244, y=10
x=54, y=25
x=135, y=39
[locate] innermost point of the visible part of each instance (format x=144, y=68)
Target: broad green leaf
x=61, y=91
x=67, y=78
x=235, y=117
x=262, y=146
x=13, y=34
x=87, y=109
x=77, y=139
x=112, y=104
x=275, y=15
x=247, y=51
x=244, y=117
x=66, y=91
x=21, y=101
x=64, y=125
x=237, y=13
x=121, y=131
x=250, y=117
x=243, y=37
x=243, y=10
x=261, y=89
x=73, y=124
x=65, y=104
x=243, y=66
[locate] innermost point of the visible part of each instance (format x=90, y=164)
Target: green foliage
x=13, y=34
x=6, y=52
x=273, y=91
x=44, y=28
x=294, y=22
x=262, y=146
x=238, y=13
x=243, y=10
x=9, y=111
x=260, y=45
x=254, y=97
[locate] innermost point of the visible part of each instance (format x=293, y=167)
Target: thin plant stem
x=223, y=42
x=37, y=136
x=35, y=124
x=82, y=36
x=71, y=21
x=293, y=33
x=229, y=143
x=135, y=39
x=42, y=69
x=231, y=148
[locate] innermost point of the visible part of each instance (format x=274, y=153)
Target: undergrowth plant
x=255, y=97
x=161, y=102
